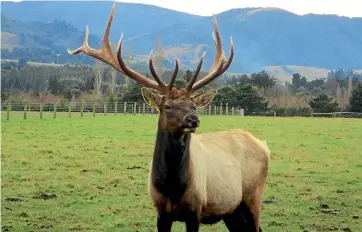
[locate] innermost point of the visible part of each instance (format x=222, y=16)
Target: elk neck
x=170, y=167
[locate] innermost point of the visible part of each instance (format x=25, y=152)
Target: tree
x=317, y=83
x=98, y=71
x=4, y=96
x=355, y=99
x=54, y=85
x=323, y=104
x=114, y=73
x=188, y=75
x=251, y=98
x=90, y=82
x=244, y=80
x=132, y=93
x=159, y=53
x=124, y=80
x=180, y=83
x=263, y=80
x=226, y=94
x=299, y=81
x=248, y=97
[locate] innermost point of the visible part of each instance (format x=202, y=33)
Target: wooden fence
x=102, y=108
x=71, y=109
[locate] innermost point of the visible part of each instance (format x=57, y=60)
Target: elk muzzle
x=190, y=123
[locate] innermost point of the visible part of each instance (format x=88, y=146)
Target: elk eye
x=167, y=107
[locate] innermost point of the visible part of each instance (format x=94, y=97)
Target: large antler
x=218, y=67
x=105, y=54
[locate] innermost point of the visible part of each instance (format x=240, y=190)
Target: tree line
x=256, y=92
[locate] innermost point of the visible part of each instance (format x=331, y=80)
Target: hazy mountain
x=262, y=36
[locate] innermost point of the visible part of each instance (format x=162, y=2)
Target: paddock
x=90, y=173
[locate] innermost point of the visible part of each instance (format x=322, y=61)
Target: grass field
x=90, y=174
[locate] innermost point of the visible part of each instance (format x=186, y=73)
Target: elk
x=195, y=179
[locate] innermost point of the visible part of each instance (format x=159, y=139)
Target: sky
x=348, y=8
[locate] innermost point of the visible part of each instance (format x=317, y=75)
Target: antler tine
x=173, y=77
x=218, y=62
x=231, y=57
x=105, y=53
x=153, y=72
x=196, y=73
x=135, y=75
x=158, y=79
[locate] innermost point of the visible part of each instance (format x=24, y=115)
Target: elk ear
x=202, y=99
x=152, y=97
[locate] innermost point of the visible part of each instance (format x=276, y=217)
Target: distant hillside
x=132, y=19
x=263, y=36
x=41, y=41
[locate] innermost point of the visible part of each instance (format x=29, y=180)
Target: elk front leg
x=193, y=222
x=164, y=222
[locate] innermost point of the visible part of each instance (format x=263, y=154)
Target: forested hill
x=262, y=36
x=41, y=42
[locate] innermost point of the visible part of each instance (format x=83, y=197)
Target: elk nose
x=192, y=120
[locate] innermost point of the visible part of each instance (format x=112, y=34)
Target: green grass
x=87, y=163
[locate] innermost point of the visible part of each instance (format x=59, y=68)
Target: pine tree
x=356, y=99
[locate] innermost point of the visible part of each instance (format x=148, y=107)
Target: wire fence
x=338, y=115
x=86, y=109
x=83, y=109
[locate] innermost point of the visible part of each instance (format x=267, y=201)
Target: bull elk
x=195, y=179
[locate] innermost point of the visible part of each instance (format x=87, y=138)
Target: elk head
x=177, y=107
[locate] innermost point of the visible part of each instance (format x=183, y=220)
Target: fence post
x=115, y=107
x=94, y=109
x=124, y=107
x=232, y=111
x=8, y=111
x=221, y=108
x=227, y=109
x=105, y=108
x=209, y=111
x=135, y=108
x=70, y=110
x=143, y=108
x=81, y=108
x=242, y=112
x=25, y=109
x=41, y=110
x=55, y=110
x=215, y=109
x=311, y=113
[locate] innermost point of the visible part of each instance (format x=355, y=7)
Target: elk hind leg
x=240, y=220
x=253, y=207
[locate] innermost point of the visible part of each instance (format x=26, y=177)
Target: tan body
x=227, y=167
